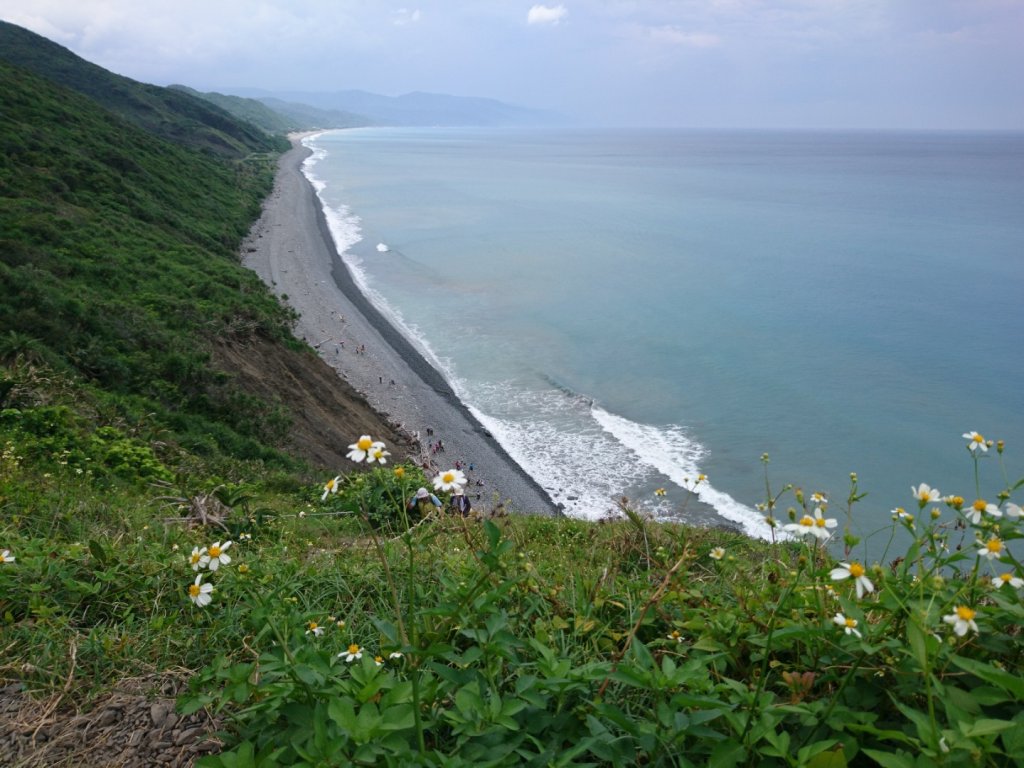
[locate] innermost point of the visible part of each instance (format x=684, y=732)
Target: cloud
x=671, y=35
x=543, y=14
x=404, y=16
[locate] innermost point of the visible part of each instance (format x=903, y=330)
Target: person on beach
x=423, y=503
x=460, y=503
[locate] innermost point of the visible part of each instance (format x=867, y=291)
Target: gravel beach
x=291, y=249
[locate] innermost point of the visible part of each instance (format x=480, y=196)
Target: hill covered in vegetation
x=120, y=284
x=171, y=114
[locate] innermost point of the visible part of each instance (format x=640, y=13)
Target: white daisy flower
x=331, y=486
x=849, y=625
x=817, y=526
x=312, y=628
x=1013, y=512
x=717, y=553
x=1007, y=578
x=361, y=449
x=6, y=556
x=198, y=559
x=993, y=549
x=925, y=494
x=962, y=620
x=975, y=442
x=378, y=454
x=353, y=653
x=856, y=572
x=217, y=556
x=981, y=507
x=819, y=498
x=395, y=655
x=199, y=593
x=449, y=480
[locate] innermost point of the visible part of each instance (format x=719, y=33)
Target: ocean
x=628, y=310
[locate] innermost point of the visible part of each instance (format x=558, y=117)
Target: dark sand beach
x=291, y=249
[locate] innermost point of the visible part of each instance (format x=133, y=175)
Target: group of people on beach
x=424, y=502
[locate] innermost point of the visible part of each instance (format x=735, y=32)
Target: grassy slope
x=119, y=270
x=249, y=110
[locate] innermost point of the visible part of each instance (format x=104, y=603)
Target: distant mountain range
x=249, y=120
x=354, y=107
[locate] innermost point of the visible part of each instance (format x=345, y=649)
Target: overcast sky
x=702, y=63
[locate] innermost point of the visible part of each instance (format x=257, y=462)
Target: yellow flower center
x=447, y=477
x=675, y=634
x=193, y=590
x=379, y=659
x=978, y=438
x=312, y=625
x=1006, y=577
x=353, y=649
x=965, y=613
x=994, y=545
x=851, y=623
x=806, y=521
x=195, y=557
x=957, y=501
x=215, y=551
x=979, y=505
x=364, y=443
x=856, y=570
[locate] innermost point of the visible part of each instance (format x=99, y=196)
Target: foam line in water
x=346, y=231
x=677, y=457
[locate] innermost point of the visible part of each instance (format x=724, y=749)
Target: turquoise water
x=625, y=310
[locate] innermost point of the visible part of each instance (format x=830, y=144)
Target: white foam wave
x=553, y=436
x=346, y=231
x=584, y=456
x=673, y=454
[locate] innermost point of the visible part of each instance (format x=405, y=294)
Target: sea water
x=629, y=310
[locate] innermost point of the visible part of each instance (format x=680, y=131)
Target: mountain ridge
x=171, y=114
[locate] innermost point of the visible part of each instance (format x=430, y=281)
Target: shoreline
x=291, y=248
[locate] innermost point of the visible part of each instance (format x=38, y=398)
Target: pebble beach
x=291, y=249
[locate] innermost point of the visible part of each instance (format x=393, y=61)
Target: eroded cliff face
x=327, y=414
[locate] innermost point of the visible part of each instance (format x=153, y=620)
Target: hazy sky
x=709, y=63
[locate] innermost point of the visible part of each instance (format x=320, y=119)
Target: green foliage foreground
x=325, y=640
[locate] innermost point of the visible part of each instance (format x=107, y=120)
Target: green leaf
x=727, y=754
x=984, y=727
x=822, y=754
x=493, y=533
x=918, y=642
x=890, y=759
x=398, y=718
x=98, y=552
x=926, y=729
x=990, y=674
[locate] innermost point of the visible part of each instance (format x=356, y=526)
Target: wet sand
x=291, y=249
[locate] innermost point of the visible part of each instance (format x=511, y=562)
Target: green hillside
x=119, y=271
x=171, y=114
x=249, y=110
